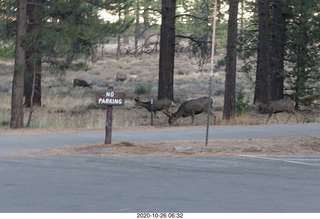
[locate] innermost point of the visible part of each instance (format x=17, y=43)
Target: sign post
x=108, y=134
x=110, y=99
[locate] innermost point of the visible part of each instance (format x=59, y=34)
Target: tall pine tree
x=231, y=62
x=262, y=86
x=167, y=50
x=19, y=67
x=303, y=40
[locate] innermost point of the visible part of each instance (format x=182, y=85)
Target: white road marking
x=285, y=160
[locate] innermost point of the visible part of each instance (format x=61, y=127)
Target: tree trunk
x=126, y=37
x=94, y=57
x=231, y=63
x=146, y=33
x=19, y=67
x=33, y=68
x=118, y=39
x=262, y=87
x=167, y=47
x=277, y=50
x=137, y=29
x=33, y=59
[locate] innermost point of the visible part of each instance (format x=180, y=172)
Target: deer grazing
x=279, y=106
x=158, y=105
x=191, y=108
x=80, y=83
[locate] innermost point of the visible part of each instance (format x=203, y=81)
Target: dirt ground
x=295, y=145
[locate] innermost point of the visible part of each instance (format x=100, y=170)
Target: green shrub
x=143, y=88
x=144, y=62
x=7, y=52
x=242, y=105
x=79, y=66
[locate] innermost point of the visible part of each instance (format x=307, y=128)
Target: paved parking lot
x=239, y=183
x=160, y=184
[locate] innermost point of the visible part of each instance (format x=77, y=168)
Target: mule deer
x=191, y=108
x=80, y=83
x=279, y=106
x=158, y=105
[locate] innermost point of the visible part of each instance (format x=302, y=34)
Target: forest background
x=274, y=44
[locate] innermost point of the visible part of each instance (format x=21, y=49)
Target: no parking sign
x=109, y=98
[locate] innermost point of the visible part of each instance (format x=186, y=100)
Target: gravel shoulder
x=296, y=145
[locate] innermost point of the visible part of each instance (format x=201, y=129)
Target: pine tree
x=32, y=83
x=231, y=62
x=195, y=24
x=64, y=31
x=262, y=86
x=18, y=75
x=303, y=38
x=278, y=43
x=167, y=50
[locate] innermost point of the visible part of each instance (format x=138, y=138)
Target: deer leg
x=275, y=116
x=269, y=118
x=192, y=118
x=295, y=114
x=168, y=110
x=296, y=117
x=288, y=118
x=214, y=117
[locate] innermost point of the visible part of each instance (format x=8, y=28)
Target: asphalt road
x=10, y=143
x=158, y=184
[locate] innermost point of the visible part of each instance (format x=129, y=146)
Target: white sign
x=110, y=98
x=109, y=101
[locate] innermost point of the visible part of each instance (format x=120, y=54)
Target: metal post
x=211, y=72
x=151, y=112
x=209, y=108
